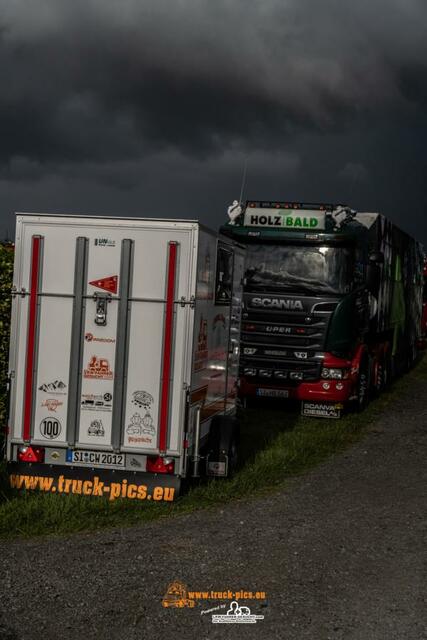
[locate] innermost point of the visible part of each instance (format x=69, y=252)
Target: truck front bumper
x=318, y=391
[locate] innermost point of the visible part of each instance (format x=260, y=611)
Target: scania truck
x=332, y=303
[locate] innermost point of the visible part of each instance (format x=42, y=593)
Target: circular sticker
x=50, y=428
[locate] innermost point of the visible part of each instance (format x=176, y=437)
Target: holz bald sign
x=284, y=218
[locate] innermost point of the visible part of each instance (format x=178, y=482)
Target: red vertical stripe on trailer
x=167, y=347
x=32, y=316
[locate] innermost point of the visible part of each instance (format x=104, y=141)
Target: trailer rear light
x=335, y=374
x=157, y=464
x=248, y=371
x=31, y=454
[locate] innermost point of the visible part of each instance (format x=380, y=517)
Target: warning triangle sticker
x=108, y=284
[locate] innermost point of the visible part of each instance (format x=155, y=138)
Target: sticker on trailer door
x=98, y=369
x=96, y=428
x=50, y=428
x=97, y=402
x=54, y=388
x=108, y=284
x=140, y=429
x=89, y=337
x=51, y=404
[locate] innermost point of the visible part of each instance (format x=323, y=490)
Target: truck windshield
x=310, y=268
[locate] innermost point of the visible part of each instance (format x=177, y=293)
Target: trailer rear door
x=101, y=348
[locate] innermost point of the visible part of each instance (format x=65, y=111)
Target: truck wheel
x=388, y=369
x=223, y=445
x=363, y=382
x=383, y=374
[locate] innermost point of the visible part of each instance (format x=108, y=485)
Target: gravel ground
x=340, y=552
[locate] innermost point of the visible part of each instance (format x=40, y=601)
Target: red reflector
x=299, y=330
x=158, y=465
x=249, y=327
x=31, y=454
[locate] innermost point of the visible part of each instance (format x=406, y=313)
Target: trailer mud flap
x=217, y=465
x=111, y=485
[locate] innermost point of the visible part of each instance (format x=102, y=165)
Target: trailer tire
x=224, y=438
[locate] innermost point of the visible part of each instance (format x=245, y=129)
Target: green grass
x=276, y=445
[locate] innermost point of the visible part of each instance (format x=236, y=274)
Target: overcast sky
x=150, y=107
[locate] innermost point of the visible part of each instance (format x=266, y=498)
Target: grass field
x=276, y=445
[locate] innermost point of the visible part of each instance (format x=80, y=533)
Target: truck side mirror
x=373, y=278
x=377, y=257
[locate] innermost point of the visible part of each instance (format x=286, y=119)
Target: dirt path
x=341, y=553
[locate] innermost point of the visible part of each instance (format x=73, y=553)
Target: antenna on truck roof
x=242, y=189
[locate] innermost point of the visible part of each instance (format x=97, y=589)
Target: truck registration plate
x=96, y=458
x=273, y=393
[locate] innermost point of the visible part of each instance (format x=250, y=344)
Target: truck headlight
x=334, y=374
x=248, y=371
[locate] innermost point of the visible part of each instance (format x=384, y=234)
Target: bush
x=6, y=277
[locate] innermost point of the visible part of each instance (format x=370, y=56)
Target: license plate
x=273, y=393
x=321, y=410
x=96, y=458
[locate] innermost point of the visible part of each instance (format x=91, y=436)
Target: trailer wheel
x=363, y=383
x=223, y=446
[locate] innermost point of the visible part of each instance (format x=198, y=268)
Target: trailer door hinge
x=15, y=292
x=191, y=302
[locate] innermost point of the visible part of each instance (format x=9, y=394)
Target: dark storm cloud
x=85, y=80
x=323, y=96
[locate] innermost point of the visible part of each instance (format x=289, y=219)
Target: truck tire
x=223, y=446
x=388, y=369
x=363, y=384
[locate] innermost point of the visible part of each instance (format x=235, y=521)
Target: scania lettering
x=276, y=303
x=124, y=352
x=331, y=306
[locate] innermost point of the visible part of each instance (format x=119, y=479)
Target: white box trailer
x=124, y=355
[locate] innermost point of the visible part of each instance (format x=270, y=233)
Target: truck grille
x=278, y=346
